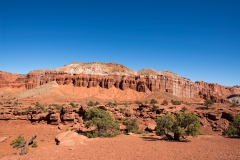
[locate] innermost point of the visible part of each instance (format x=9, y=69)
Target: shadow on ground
x=153, y=138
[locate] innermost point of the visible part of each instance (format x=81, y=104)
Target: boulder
x=54, y=119
x=151, y=127
x=68, y=117
x=69, y=138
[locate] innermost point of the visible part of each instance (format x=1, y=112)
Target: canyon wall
x=177, y=86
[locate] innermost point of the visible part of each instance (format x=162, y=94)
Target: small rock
x=129, y=133
x=3, y=139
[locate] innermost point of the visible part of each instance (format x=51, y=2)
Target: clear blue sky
x=197, y=39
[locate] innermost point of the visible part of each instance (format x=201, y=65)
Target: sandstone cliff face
x=91, y=75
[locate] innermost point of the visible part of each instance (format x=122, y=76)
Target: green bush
x=92, y=134
x=179, y=125
x=184, y=109
x=208, y=103
x=155, y=108
x=137, y=102
x=175, y=102
x=234, y=127
x=73, y=105
x=105, y=125
x=131, y=125
x=38, y=106
x=91, y=103
x=58, y=107
x=29, y=109
x=18, y=142
x=165, y=102
x=34, y=145
x=112, y=104
x=122, y=110
x=153, y=101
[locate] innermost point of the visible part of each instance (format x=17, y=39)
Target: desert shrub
x=179, y=125
x=105, y=125
x=153, y=101
x=92, y=134
x=58, y=107
x=155, y=108
x=175, y=102
x=91, y=103
x=8, y=102
x=131, y=125
x=34, y=145
x=29, y=109
x=73, y=105
x=112, y=104
x=18, y=142
x=122, y=110
x=184, y=109
x=165, y=102
x=39, y=106
x=137, y=102
x=208, y=103
x=146, y=102
x=1, y=103
x=234, y=127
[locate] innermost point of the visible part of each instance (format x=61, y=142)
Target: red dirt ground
x=120, y=147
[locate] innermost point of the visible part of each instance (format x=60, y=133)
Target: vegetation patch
x=18, y=142
x=165, y=103
x=112, y=104
x=91, y=103
x=73, y=105
x=175, y=102
x=155, y=108
x=208, y=103
x=34, y=145
x=153, y=101
x=179, y=125
x=234, y=127
x=39, y=106
x=102, y=121
x=131, y=125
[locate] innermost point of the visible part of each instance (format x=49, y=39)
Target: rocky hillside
x=108, y=75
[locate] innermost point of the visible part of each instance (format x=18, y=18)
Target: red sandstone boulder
x=69, y=138
x=54, y=119
x=151, y=127
x=67, y=113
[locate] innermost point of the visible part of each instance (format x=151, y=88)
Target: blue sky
x=199, y=40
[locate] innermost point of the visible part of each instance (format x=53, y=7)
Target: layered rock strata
x=141, y=81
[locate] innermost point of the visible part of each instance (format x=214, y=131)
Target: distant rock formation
x=107, y=75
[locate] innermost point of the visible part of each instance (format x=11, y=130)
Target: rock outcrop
x=107, y=75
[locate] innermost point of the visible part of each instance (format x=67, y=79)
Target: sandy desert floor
x=120, y=147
